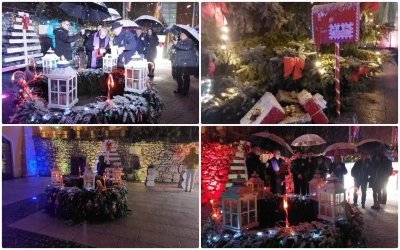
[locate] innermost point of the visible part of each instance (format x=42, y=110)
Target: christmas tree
x=249, y=48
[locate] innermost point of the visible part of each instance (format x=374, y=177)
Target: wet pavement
x=380, y=104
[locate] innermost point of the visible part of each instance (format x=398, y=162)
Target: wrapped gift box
x=314, y=106
x=266, y=111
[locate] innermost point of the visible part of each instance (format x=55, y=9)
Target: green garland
x=347, y=232
x=77, y=205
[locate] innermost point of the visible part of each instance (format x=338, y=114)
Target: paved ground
x=380, y=105
x=178, y=109
x=164, y=216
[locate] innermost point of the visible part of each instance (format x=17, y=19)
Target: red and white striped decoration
x=337, y=77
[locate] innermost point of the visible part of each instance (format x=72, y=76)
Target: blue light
x=260, y=234
x=34, y=198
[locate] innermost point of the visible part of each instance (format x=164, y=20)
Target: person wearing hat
x=64, y=40
x=185, y=63
x=126, y=44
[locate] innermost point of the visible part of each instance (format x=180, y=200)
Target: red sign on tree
x=335, y=23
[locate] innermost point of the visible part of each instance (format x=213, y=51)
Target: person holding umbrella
x=151, y=43
x=185, y=62
x=254, y=164
x=63, y=40
x=360, y=173
x=140, y=41
x=277, y=172
x=300, y=172
x=126, y=44
x=338, y=168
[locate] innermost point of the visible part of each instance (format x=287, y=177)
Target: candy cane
x=337, y=77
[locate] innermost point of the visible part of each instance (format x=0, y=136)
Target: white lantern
x=256, y=185
x=331, y=197
x=117, y=176
x=89, y=178
x=315, y=185
x=109, y=63
x=136, y=75
x=63, y=86
x=49, y=62
x=56, y=176
x=239, y=207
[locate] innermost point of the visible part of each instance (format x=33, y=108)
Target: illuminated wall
x=55, y=151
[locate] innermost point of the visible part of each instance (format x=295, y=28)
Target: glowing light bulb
x=378, y=53
x=225, y=29
x=224, y=37
x=223, y=47
x=318, y=63
x=322, y=71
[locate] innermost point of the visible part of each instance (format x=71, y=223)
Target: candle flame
x=285, y=204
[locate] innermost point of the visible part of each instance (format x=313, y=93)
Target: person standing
x=151, y=42
x=322, y=167
x=379, y=172
x=254, y=164
x=185, y=63
x=99, y=45
x=191, y=162
x=64, y=40
x=338, y=168
x=300, y=173
x=388, y=170
x=276, y=171
x=140, y=41
x=126, y=44
x=88, y=43
x=360, y=173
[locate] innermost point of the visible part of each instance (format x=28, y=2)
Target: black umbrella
x=91, y=11
x=370, y=146
x=147, y=21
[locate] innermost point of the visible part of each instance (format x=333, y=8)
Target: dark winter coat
x=300, y=166
x=277, y=177
x=151, y=43
x=360, y=171
x=127, y=40
x=185, y=58
x=63, y=42
x=380, y=171
x=338, y=172
x=254, y=164
x=140, y=43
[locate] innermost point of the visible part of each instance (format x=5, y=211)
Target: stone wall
x=50, y=152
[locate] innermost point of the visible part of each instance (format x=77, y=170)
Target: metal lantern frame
x=49, y=62
x=109, y=63
x=239, y=207
x=89, y=179
x=331, y=197
x=256, y=185
x=314, y=186
x=56, y=176
x=62, y=88
x=136, y=72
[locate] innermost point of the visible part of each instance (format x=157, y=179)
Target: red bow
x=25, y=21
x=363, y=70
x=293, y=66
x=371, y=6
x=216, y=11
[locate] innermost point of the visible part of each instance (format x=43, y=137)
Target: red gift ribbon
x=293, y=66
x=363, y=70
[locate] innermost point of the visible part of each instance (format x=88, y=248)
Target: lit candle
x=285, y=207
x=110, y=84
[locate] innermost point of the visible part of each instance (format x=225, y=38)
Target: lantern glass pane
x=129, y=83
x=252, y=216
x=63, y=86
x=245, y=219
x=234, y=206
x=54, y=85
x=74, y=80
x=63, y=99
x=71, y=97
x=129, y=73
x=136, y=74
x=227, y=219
x=74, y=94
x=252, y=205
x=234, y=220
x=244, y=205
x=54, y=98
